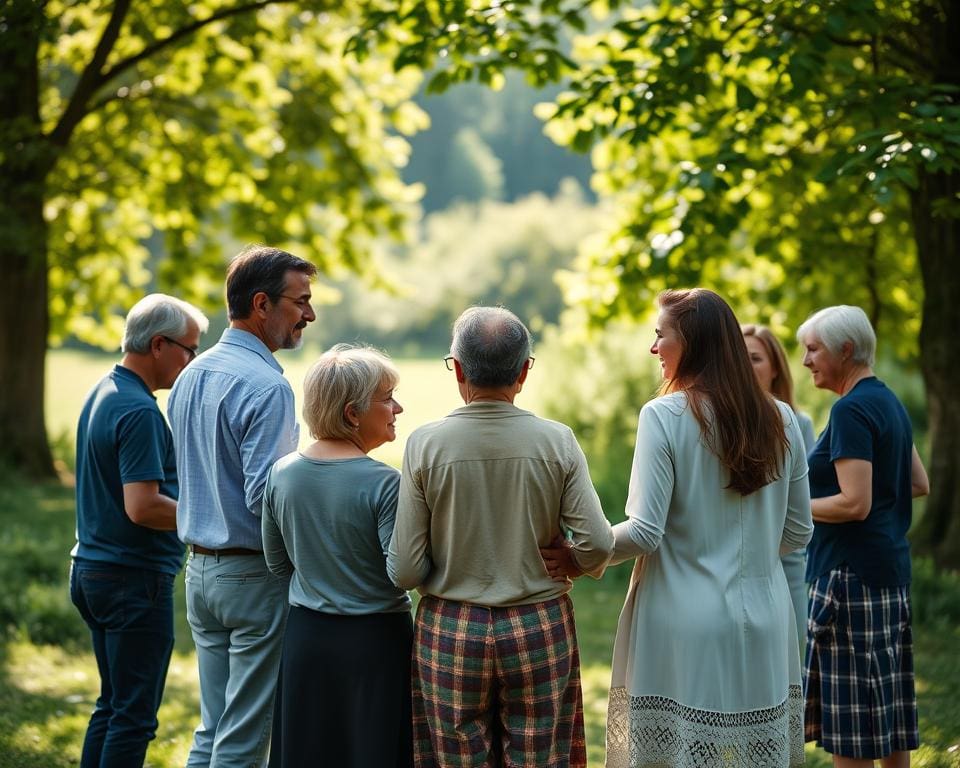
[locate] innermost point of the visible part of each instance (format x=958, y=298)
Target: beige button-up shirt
x=481, y=491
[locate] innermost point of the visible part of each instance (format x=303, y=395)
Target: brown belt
x=198, y=550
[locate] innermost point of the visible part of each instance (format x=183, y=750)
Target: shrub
x=934, y=594
x=602, y=381
x=36, y=534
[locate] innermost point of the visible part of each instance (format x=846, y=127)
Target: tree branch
x=177, y=35
x=94, y=77
x=91, y=78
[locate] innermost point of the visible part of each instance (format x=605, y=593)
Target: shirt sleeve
x=387, y=510
x=851, y=433
x=650, y=490
x=798, y=525
x=408, y=558
x=588, y=531
x=274, y=549
x=270, y=433
x=141, y=439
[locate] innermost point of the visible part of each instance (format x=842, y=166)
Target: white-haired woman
x=864, y=472
x=328, y=515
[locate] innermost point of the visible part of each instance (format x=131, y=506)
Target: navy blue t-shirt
x=868, y=423
x=123, y=438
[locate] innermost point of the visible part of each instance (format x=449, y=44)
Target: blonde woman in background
x=772, y=371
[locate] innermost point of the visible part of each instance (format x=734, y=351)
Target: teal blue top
x=122, y=438
x=328, y=525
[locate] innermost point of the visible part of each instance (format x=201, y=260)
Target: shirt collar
x=489, y=409
x=126, y=373
x=245, y=339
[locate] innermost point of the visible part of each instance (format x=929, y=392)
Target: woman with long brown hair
x=706, y=670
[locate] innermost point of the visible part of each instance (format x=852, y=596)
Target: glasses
x=448, y=361
x=189, y=350
x=299, y=301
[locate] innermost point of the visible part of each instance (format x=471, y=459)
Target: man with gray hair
x=127, y=552
x=496, y=669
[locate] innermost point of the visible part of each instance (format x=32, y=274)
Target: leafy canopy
x=765, y=148
x=199, y=134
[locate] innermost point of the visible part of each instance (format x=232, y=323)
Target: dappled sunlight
x=49, y=693
x=46, y=698
x=596, y=682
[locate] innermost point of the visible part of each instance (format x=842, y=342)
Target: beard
x=287, y=339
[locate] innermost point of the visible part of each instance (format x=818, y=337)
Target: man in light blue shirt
x=232, y=417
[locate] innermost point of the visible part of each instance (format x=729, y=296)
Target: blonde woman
x=328, y=515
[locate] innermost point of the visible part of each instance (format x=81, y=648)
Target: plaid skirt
x=858, y=678
x=497, y=686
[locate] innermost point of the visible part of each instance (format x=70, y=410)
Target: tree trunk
x=23, y=345
x=938, y=251
x=24, y=319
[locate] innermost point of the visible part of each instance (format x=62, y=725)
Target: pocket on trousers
x=104, y=595
x=239, y=579
x=159, y=588
x=824, y=606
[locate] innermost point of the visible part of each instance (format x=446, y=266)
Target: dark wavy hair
x=256, y=269
x=738, y=420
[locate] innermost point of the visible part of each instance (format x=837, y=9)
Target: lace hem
x=656, y=732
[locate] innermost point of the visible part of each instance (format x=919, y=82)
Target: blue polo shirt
x=123, y=438
x=868, y=423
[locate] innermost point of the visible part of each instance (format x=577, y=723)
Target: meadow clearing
x=48, y=678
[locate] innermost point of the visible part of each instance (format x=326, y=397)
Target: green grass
x=48, y=678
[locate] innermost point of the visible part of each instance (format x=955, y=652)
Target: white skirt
x=655, y=732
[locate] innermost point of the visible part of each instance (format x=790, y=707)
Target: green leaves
x=767, y=150
x=258, y=126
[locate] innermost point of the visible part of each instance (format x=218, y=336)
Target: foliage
x=606, y=380
x=486, y=253
x=472, y=171
x=761, y=149
x=34, y=564
x=253, y=127
x=935, y=595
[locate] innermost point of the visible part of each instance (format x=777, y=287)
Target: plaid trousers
x=859, y=681
x=497, y=686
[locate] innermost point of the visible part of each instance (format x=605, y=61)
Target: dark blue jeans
x=130, y=615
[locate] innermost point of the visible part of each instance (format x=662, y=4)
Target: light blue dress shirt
x=232, y=413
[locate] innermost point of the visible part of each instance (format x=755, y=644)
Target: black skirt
x=343, y=697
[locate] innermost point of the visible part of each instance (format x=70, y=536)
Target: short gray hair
x=491, y=345
x=159, y=315
x=343, y=375
x=836, y=326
